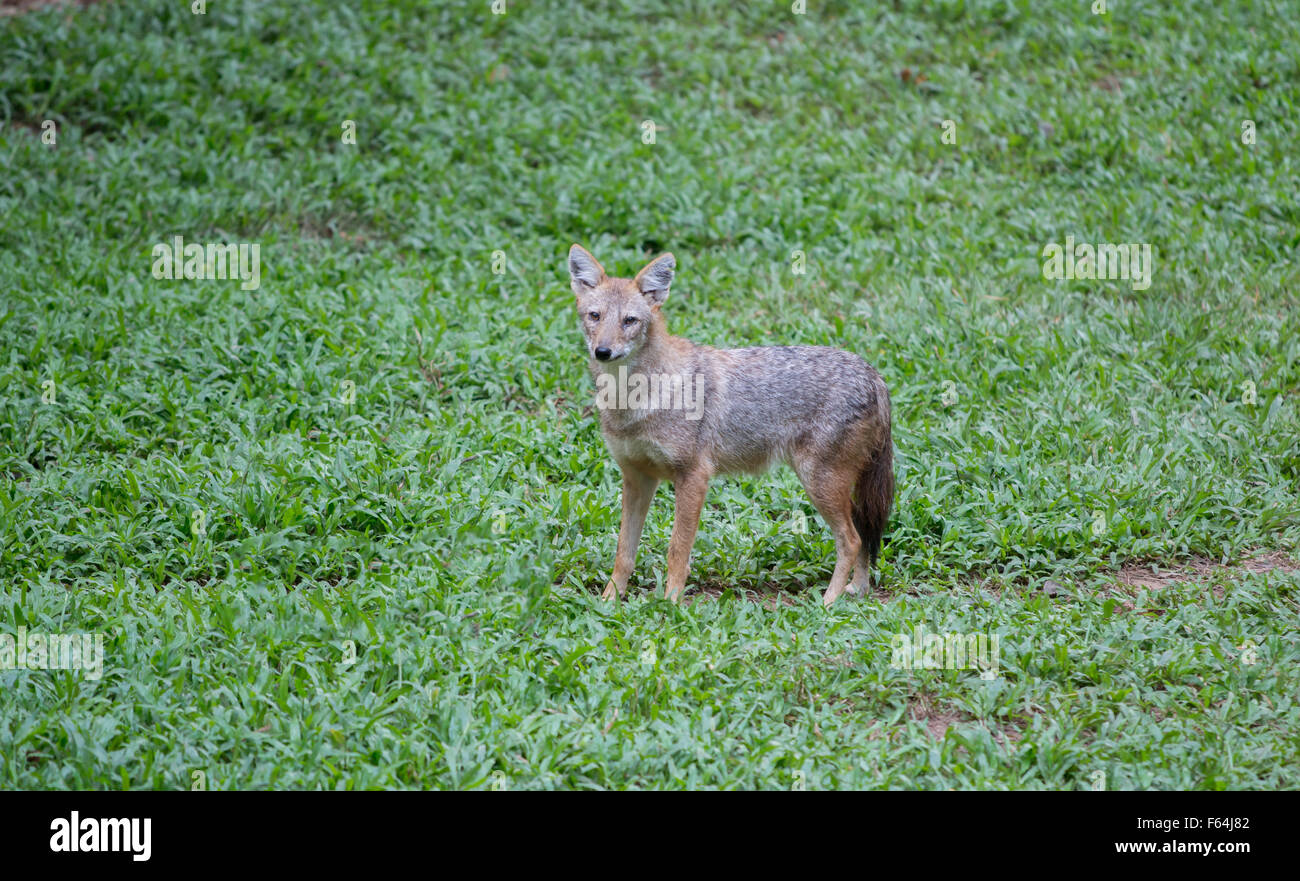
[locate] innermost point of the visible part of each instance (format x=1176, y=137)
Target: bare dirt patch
x=1150, y=575
x=937, y=719
x=769, y=595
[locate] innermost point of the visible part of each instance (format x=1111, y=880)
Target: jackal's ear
x=584, y=270
x=654, y=279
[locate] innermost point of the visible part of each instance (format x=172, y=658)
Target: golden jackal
x=672, y=410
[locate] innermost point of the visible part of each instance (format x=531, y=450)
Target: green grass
x=454, y=522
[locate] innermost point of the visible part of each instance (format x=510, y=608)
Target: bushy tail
x=873, y=496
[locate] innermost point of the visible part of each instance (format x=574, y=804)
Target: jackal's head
x=618, y=314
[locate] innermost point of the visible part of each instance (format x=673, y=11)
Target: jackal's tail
x=873, y=496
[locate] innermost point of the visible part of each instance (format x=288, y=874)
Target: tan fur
x=824, y=411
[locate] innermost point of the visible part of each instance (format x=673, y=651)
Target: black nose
x=602, y=354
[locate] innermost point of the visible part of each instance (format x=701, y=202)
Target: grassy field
x=347, y=530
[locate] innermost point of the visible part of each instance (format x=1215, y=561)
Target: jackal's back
x=772, y=400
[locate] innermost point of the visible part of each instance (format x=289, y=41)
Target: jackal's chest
x=643, y=451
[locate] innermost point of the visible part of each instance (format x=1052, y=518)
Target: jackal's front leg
x=690, y=489
x=638, y=490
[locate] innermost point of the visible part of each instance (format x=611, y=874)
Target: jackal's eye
x=630, y=320
x=594, y=316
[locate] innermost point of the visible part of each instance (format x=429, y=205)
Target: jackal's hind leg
x=831, y=490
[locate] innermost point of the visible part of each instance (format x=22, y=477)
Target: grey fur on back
x=776, y=398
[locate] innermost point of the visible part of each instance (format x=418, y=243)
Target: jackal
x=821, y=410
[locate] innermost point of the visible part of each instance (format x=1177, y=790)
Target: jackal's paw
x=611, y=592
x=831, y=596
x=859, y=586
